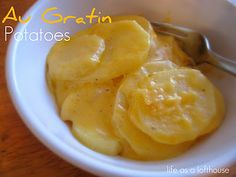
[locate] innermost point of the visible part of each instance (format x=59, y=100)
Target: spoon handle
x=221, y=62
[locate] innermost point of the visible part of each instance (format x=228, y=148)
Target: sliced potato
x=173, y=106
x=162, y=47
x=70, y=60
x=97, y=141
x=142, y=144
x=155, y=66
x=127, y=49
x=62, y=90
x=59, y=89
x=128, y=152
x=131, y=82
x=85, y=59
x=220, y=111
x=139, y=19
x=89, y=108
x=155, y=45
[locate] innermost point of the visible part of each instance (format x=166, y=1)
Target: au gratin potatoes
x=130, y=92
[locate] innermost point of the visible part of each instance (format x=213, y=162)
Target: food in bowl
x=131, y=92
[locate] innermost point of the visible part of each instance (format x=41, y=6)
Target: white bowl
x=25, y=71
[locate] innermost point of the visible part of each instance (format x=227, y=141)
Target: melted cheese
x=130, y=92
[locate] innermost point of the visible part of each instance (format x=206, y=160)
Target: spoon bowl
x=196, y=45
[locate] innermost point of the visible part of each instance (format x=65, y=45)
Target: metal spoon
x=196, y=46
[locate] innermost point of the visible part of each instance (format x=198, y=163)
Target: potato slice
x=70, y=60
x=132, y=81
x=162, y=47
x=85, y=59
x=220, y=112
x=140, y=20
x=173, y=106
x=62, y=90
x=142, y=144
x=96, y=141
x=128, y=152
x=127, y=47
x=89, y=108
x=146, y=25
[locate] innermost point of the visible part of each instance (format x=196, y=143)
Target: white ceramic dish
x=25, y=70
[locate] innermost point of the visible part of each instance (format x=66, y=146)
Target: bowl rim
x=62, y=150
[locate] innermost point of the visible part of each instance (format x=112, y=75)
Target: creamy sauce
x=131, y=92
